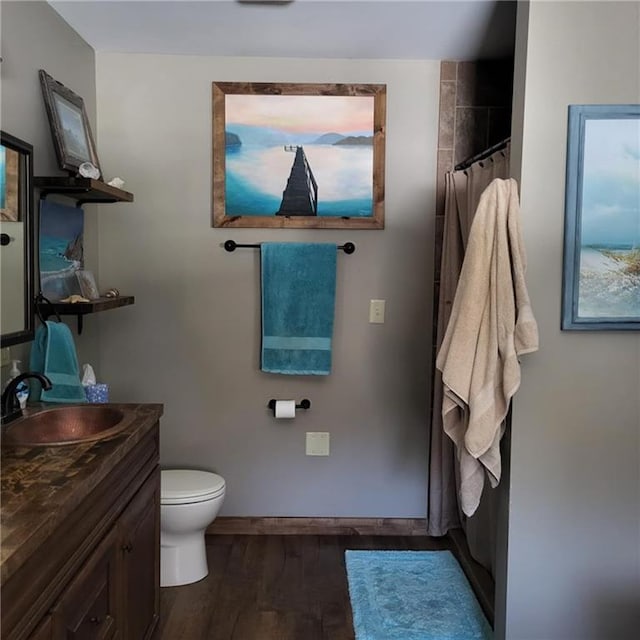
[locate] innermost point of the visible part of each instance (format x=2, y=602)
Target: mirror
x=16, y=241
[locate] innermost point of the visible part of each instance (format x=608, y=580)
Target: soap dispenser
x=22, y=390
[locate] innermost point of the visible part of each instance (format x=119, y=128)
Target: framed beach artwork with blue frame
x=296, y=155
x=601, y=287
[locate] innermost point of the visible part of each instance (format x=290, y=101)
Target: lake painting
x=608, y=223
x=265, y=132
x=297, y=156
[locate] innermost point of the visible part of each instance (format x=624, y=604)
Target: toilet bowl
x=189, y=502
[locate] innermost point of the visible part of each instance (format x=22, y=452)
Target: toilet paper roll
x=285, y=408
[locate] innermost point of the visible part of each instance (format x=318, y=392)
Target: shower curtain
x=462, y=194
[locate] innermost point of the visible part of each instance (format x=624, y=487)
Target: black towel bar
x=232, y=245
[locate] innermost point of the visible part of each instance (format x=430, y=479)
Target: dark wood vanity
x=80, y=538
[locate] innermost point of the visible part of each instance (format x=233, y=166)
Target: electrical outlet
x=376, y=311
x=317, y=443
x=6, y=357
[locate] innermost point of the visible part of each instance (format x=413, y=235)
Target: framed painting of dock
x=601, y=287
x=295, y=155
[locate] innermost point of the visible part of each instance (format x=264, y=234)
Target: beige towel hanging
x=491, y=324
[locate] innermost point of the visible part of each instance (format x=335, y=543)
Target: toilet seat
x=186, y=486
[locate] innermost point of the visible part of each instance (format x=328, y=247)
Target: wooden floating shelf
x=93, y=306
x=81, y=309
x=83, y=189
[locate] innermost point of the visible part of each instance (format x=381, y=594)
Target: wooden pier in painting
x=300, y=197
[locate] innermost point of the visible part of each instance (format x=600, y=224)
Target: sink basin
x=65, y=425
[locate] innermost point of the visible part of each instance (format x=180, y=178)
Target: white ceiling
x=374, y=29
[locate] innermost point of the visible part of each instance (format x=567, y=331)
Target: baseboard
x=319, y=526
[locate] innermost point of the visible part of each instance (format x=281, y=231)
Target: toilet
x=189, y=502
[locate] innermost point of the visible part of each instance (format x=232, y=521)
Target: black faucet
x=9, y=401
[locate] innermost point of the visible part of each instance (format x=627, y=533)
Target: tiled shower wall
x=475, y=113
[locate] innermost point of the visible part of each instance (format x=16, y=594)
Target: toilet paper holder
x=304, y=404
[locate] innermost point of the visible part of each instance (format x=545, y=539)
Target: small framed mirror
x=16, y=241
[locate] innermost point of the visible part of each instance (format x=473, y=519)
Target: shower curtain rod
x=465, y=164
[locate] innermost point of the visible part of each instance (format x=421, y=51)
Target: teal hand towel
x=53, y=353
x=298, y=300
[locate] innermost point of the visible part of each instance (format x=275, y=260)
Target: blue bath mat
x=412, y=595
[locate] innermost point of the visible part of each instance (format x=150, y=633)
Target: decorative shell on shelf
x=74, y=298
x=88, y=170
x=118, y=183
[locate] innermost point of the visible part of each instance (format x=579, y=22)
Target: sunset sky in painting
x=296, y=114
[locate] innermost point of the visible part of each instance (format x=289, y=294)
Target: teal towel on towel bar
x=53, y=353
x=298, y=299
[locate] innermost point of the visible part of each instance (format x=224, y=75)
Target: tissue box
x=97, y=393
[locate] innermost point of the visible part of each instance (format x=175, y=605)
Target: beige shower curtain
x=462, y=194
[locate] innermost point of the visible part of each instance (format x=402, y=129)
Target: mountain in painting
x=329, y=138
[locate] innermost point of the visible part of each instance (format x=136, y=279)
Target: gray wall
x=192, y=338
x=35, y=37
x=574, y=526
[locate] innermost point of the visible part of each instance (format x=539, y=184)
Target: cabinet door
x=89, y=607
x=139, y=535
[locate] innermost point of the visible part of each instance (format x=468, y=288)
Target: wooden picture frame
x=69, y=123
x=298, y=156
x=10, y=182
x=17, y=231
x=601, y=275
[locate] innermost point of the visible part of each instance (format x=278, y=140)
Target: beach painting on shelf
x=601, y=288
x=61, y=249
x=298, y=155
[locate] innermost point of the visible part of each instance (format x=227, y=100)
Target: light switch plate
x=317, y=443
x=6, y=357
x=376, y=311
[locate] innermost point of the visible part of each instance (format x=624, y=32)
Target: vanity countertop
x=41, y=486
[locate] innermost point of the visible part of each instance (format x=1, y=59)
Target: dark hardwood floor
x=268, y=587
